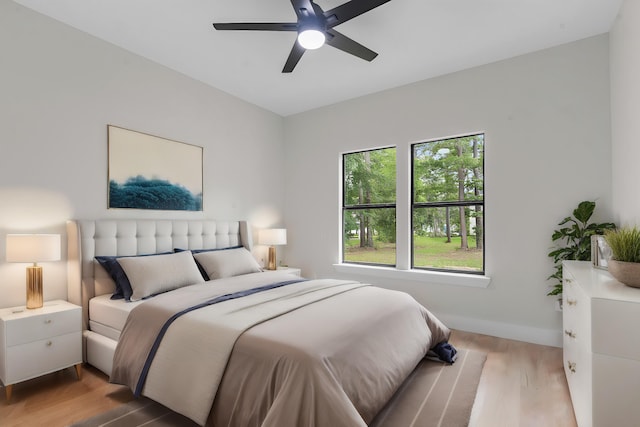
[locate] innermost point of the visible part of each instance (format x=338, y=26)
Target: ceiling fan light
x=311, y=39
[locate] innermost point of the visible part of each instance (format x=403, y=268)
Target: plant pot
x=625, y=272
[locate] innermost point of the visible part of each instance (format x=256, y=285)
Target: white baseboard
x=551, y=337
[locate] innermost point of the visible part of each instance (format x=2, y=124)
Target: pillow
x=152, y=275
x=228, y=263
x=197, y=251
x=123, y=287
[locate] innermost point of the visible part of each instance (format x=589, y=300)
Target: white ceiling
x=415, y=40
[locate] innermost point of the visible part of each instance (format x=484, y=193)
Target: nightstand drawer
x=40, y=357
x=40, y=326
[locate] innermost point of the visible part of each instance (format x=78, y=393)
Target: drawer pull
x=49, y=343
x=569, y=333
x=572, y=301
x=572, y=366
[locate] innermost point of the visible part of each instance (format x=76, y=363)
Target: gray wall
x=548, y=146
x=546, y=120
x=59, y=88
x=625, y=113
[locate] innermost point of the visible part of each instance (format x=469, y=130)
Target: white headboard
x=90, y=238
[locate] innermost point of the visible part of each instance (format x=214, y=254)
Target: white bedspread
x=198, y=344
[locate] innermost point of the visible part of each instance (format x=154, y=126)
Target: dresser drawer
x=36, y=358
x=615, y=381
x=38, y=327
x=571, y=298
x=615, y=328
x=578, y=370
x=576, y=324
x=577, y=363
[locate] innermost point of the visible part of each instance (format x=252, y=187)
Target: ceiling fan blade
x=347, y=11
x=344, y=43
x=294, y=57
x=304, y=9
x=311, y=16
x=266, y=26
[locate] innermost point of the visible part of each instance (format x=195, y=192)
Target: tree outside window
x=448, y=204
x=369, y=207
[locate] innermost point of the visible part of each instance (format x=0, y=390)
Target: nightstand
x=291, y=270
x=39, y=341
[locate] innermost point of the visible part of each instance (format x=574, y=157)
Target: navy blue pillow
x=205, y=276
x=123, y=286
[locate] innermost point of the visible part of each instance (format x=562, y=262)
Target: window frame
x=404, y=228
x=443, y=204
x=368, y=206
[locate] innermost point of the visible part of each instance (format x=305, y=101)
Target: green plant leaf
x=575, y=240
x=557, y=252
x=557, y=275
x=600, y=228
x=584, y=211
x=557, y=290
x=566, y=220
x=558, y=234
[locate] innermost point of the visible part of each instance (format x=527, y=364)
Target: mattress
x=107, y=317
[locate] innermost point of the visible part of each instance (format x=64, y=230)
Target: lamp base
x=34, y=287
x=272, y=258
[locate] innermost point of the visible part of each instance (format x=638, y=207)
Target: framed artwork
x=600, y=252
x=149, y=172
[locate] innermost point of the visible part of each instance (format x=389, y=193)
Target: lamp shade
x=273, y=236
x=33, y=247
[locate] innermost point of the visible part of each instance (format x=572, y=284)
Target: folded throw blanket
x=444, y=352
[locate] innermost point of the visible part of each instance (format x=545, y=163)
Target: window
x=441, y=221
x=369, y=207
x=447, y=204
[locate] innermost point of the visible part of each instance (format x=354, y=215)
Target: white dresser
x=36, y=342
x=601, y=325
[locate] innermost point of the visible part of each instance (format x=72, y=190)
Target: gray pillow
x=232, y=262
x=150, y=275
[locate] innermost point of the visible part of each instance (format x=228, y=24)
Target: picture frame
x=151, y=172
x=600, y=252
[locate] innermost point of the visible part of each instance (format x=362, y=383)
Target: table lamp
x=33, y=248
x=272, y=237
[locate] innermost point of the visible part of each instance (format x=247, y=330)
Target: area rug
x=434, y=395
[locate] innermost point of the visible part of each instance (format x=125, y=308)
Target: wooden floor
x=522, y=385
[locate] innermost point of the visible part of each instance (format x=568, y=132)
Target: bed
x=262, y=348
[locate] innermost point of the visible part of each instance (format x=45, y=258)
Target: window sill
x=457, y=279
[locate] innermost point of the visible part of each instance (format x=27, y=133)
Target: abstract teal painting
x=150, y=172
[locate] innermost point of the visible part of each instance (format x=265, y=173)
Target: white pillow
x=227, y=263
x=150, y=275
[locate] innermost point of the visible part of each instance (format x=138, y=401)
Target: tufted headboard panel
x=90, y=238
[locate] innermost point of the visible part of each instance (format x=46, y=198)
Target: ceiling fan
x=316, y=27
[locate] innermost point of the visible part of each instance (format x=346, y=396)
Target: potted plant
x=624, y=264
x=574, y=240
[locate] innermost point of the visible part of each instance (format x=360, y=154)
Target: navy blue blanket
x=444, y=352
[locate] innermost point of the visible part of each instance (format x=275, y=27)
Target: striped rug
x=434, y=395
